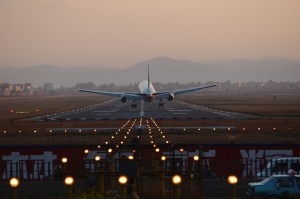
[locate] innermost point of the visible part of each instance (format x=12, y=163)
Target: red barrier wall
x=36, y=162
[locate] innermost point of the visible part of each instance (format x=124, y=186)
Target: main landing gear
x=133, y=105
x=161, y=103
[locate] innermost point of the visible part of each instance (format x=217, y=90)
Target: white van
x=280, y=166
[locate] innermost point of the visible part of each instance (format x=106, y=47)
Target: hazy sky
x=119, y=33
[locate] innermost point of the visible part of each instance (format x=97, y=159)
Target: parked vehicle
x=276, y=186
x=280, y=166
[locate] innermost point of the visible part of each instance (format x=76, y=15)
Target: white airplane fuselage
x=148, y=92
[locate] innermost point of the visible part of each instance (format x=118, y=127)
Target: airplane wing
x=164, y=95
x=189, y=90
x=130, y=96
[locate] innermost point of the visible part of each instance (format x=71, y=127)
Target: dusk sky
x=118, y=34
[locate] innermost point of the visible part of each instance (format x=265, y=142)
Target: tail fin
x=148, y=81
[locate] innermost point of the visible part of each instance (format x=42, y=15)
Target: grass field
x=281, y=124
x=255, y=104
x=27, y=106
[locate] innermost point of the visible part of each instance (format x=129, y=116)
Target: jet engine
x=171, y=96
x=123, y=99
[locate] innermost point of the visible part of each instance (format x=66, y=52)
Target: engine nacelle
x=171, y=96
x=123, y=99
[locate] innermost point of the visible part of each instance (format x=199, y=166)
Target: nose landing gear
x=133, y=105
x=161, y=103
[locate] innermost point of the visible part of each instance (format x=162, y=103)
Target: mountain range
x=162, y=69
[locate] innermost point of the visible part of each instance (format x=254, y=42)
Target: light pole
x=156, y=158
x=176, y=180
x=163, y=159
x=162, y=176
x=111, y=161
x=14, y=182
x=123, y=180
x=100, y=171
x=69, y=182
x=232, y=180
x=97, y=159
x=197, y=171
x=64, y=160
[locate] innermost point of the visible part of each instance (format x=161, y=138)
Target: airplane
x=147, y=93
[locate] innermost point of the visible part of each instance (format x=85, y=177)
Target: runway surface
x=115, y=109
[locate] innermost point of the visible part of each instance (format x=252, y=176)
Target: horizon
x=162, y=69
x=118, y=35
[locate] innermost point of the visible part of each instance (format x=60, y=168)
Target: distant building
x=28, y=90
x=8, y=89
x=15, y=89
x=48, y=88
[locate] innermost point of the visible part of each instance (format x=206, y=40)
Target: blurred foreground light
x=122, y=180
x=64, y=160
x=14, y=182
x=69, y=181
x=130, y=157
x=196, y=158
x=232, y=180
x=176, y=179
x=97, y=157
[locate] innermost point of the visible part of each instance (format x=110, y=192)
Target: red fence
x=38, y=162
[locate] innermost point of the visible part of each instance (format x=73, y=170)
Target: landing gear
x=161, y=103
x=133, y=105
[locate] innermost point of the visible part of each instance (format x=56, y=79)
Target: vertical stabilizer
x=148, y=81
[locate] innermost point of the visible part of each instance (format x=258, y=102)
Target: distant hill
x=162, y=69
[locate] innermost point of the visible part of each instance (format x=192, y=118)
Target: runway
x=115, y=109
